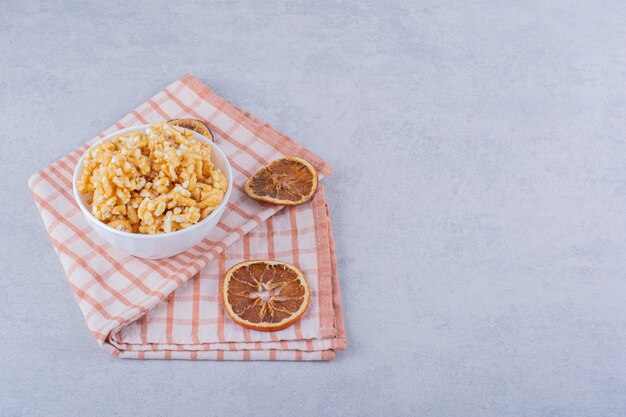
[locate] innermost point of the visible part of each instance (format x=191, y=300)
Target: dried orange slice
x=195, y=125
x=290, y=181
x=265, y=295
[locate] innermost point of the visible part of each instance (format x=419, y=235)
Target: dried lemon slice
x=265, y=295
x=290, y=181
x=195, y=125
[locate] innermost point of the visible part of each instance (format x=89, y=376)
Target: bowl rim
x=217, y=211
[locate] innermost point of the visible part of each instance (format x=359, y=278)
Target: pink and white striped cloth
x=172, y=308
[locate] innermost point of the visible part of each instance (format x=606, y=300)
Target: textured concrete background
x=479, y=199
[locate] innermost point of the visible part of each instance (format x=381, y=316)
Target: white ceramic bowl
x=162, y=245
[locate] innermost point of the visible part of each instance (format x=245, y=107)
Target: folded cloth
x=172, y=308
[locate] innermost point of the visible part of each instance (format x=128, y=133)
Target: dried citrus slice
x=195, y=125
x=265, y=295
x=290, y=181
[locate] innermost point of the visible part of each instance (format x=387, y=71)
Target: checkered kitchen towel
x=172, y=308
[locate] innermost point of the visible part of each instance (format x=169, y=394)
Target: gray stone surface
x=478, y=199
